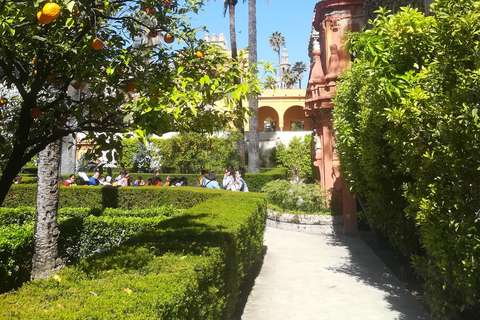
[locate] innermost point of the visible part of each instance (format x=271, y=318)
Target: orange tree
x=98, y=67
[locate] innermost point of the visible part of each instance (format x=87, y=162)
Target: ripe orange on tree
x=35, y=113
x=97, y=44
x=149, y=11
x=153, y=34
x=51, y=10
x=200, y=54
x=2, y=102
x=43, y=18
x=168, y=38
x=130, y=87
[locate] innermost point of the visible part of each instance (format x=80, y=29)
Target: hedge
x=128, y=197
x=113, y=197
x=81, y=234
x=189, y=267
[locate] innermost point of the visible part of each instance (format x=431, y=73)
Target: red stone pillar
x=332, y=19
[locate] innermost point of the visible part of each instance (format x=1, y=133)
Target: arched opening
x=294, y=119
x=267, y=119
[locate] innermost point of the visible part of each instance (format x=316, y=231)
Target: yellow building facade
x=282, y=110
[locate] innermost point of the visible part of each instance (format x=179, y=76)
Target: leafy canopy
x=62, y=85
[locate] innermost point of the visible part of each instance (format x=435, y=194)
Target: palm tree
x=298, y=69
x=253, y=144
x=253, y=103
x=229, y=5
x=269, y=82
x=276, y=41
x=289, y=78
x=254, y=138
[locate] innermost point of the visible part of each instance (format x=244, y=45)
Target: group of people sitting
x=232, y=180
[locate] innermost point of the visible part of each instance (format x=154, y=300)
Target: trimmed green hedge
x=188, y=267
x=81, y=234
x=128, y=197
x=125, y=198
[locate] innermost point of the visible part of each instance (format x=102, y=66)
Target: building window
x=297, y=125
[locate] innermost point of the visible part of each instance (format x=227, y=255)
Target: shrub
x=185, y=153
x=128, y=197
x=16, y=253
x=125, y=198
x=82, y=233
x=296, y=157
x=188, y=267
x=406, y=115
x=297, y=197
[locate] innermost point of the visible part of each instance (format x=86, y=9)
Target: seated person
x=183, y=182
x=158, y=182
x=202, y=179
x=108, y=181
x=17, y=180
x=139, y=182
x=211, y=181
x=168, y=182
x=150, y=182
x=70, y=181
x=174, y=182
x=156, y=176
x=241, y=184
x=129, y=179
x=93, y=181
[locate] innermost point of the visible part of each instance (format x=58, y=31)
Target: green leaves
x=406, y=120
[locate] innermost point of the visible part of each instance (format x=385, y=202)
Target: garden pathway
x=316, y=277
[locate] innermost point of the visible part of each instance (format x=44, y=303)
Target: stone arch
x=267, y=112
x=295, y=113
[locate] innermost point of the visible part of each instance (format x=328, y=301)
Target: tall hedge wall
x=407, y=130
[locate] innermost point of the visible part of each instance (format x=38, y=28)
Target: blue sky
x=293, y=19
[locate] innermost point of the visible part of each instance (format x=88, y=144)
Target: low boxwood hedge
x=255, y=181
x=125, y=198
x=187, y=267
x=128, y=197
x=81, y=235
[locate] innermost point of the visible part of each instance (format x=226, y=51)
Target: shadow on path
x=309, y=276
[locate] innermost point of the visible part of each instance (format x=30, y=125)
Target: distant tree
x=276, y=41
x=269, y=82
x=289, y=78
x=229, y=5
x=298, y=69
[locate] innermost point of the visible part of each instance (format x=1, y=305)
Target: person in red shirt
x=70, y=181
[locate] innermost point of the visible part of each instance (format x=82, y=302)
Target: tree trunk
x=233, y=36
x=253, y=140
x=46, y=228
x=233, y=40
x=241, y=146
x=13, y=167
